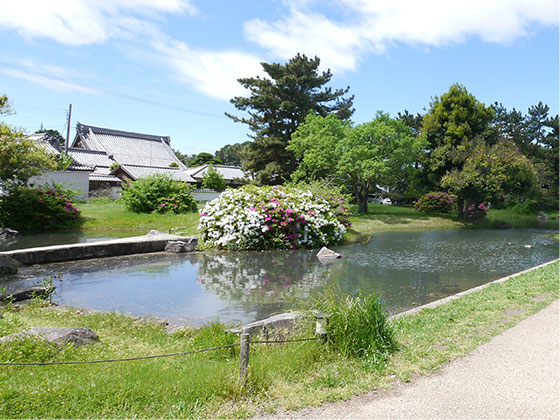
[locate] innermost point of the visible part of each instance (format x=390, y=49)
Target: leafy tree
x=453, y=118
x=232, y=154
x=186, y=159
x=489, y=171
x=53, y=136
x=277, y=105
x=20, y=158
x=205, y=158
x=213, y=180
x=5, y=108
x=365, y=156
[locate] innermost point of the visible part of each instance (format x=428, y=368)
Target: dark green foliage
x=436, y=202
x=114, y=166
x=213, y=180
x=233, y=154
x=277, y=105
x=357, y=326
x=53, y=136
x=159, y=193
x=204, y=158
x=186, y=159
x=28, y=209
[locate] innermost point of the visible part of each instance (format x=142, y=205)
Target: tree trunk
x=460, y=207
x=363, y=202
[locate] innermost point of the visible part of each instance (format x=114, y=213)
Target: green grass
x=205, y=385
x=106, y=216
x=112, y=216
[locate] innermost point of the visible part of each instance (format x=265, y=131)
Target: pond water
x=406, y=269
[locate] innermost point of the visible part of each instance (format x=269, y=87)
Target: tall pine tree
x=276, y=105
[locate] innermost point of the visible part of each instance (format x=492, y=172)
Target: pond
x=406, y=269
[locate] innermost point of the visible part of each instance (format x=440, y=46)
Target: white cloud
x=85, y=22
x=367, y=26
x=214, y=73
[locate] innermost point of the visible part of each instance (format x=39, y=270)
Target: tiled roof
x=90, y=158
x=40, y=139
x=137, y=171
x=129, y=148
x=230, y=173
x=101, y=177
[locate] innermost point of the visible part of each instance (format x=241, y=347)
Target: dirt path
x=516, y=375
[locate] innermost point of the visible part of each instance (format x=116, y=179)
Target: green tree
x=489, y=171
x=204, y=158
x=53, y=136
x=213, y=180
x=185, y=158
x=373, y=154
x=455, y=117
x=5, y=108
x=232, y=154
x=277, y=105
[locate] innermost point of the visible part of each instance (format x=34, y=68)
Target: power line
x=107, y=91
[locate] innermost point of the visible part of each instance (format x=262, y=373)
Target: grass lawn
x=111, y=216
x=284, y=376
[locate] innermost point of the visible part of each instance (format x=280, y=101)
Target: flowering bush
x=479, y=212
x=332, y=194
x=268, y=218
x=158, y=193
x=180, y=202
x=28, y=209
x=436, y=202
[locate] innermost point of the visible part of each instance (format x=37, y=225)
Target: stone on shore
x=77, y=336
x=7, y=234
x=30, y=292
x=185, y=245
x=504, y=225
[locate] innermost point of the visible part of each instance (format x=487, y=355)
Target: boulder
x=504, y=225
x=154, y=232
x=42, y=292
x=7, y=234
x=327, y=253
x=184, y=245
x=62, y=336
x=278, y=326
x=542, y=215
x=8, y=265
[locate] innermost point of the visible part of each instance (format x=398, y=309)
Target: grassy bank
x=111, y=216
x=205, y=384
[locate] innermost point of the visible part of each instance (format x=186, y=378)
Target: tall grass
x=357, y=326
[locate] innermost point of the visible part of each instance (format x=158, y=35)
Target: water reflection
x=406, y=269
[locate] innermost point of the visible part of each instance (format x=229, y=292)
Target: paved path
x=513, y=376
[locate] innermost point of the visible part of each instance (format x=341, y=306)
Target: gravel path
x=516, y=375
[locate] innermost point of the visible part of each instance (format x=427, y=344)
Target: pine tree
x=277, y=104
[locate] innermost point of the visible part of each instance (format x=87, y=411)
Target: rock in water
x=327, y=253
x=78, y=336
x=8, y=265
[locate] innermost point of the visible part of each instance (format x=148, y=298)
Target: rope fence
x=244, y=344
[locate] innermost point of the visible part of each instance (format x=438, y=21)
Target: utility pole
x=68, y=130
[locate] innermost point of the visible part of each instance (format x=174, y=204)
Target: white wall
x=70, y=179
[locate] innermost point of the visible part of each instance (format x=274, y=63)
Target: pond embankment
x=152, y=242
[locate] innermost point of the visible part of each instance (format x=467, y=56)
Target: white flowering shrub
x=268, y=218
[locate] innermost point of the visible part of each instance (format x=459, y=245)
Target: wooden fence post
x=244, y=357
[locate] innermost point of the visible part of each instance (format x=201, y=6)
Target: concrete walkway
x=513, y=376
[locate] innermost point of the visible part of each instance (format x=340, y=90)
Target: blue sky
x=169, y=67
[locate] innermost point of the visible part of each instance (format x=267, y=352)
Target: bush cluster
x=479, y=212
x=253, y=218
x=28, y=209
x=158, y=193
x=436, y=202
x=332, y=194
